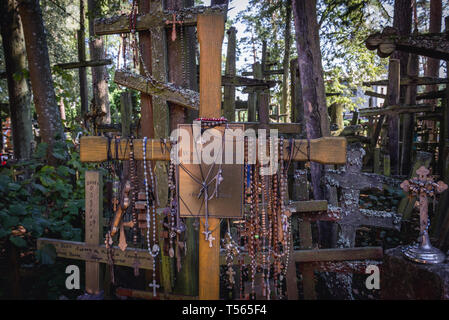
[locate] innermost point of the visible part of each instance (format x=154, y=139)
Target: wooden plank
x=168, y=91
x=239, y=81
x=325, y=150
x=98, y=254
x=148, y=295
x=375, y=94
x=93, y=231
x=120, y=24
x=338, y=254
x=307, y=206
x=210, y=36
x=397, y=109
x=407, y=81
x=229, y=86
x=80, y=64
x=285, y=128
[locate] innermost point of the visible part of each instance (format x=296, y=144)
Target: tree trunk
x=312, y=83
x=313, y=94
x=287, y=36
x=99, y=74
x=47, y=109
x=18, y=91
x=229, y=90
x=403, y=23
x=433, y=65
x=81, y=35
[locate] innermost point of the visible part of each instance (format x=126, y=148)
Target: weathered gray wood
x=83, y=64
x=167, y=91
x=397, y=109
x=410, y=81
x=351, y=180
x=120, y=24
x=433, y=45
x=338, y=254
x=229, y=89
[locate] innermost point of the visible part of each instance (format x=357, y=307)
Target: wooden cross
x=173, y=22
x=351, y=181
x=433, y=45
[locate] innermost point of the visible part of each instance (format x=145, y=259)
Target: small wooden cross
x=155, y=286
x=136, y=265
x=423, y=186
x=173, y=22
x=231, y=274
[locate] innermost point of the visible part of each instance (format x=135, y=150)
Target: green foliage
x=44, y=200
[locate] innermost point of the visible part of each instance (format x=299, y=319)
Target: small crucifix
x=155, y=286
x=210, y=238
x=423, y=186
x=231, y=274
x=173, y=22
x=136, y=265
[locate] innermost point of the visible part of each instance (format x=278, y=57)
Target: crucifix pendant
x=210, y=239
x=154, y=285
x=136, y=267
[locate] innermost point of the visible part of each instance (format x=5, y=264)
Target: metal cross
x=423, y=186
x=206, y=234
x=173, y=22
x=154, y=285
x=210, y=239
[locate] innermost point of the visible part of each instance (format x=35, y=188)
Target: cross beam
x=433, y=45
x=326, y=150
x=410, y=81
x=168, y=91
x=397, y=109
x=83, y=64
x=120, y=24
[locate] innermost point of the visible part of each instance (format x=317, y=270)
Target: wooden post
x=125, y=112
x=82, y=58
x=393, y=97
x=229, y=90
x=387, y=165
x=376, y=163
x=94, y=228
x=210, y=36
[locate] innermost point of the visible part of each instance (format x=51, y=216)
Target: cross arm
x=409, y=81
x=356, y=181
x=246, y=82
x=80, y=64
x=338, y=254
x=184, y=97
x=397, y=109
x=120, y=24
x=82, y=251
x=433, y=45
x=326, y=150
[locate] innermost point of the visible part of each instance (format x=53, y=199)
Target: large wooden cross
x=351, y=181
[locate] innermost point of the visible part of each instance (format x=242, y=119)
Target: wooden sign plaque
x=227, y=202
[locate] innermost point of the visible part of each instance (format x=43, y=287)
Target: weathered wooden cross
x=351, y=181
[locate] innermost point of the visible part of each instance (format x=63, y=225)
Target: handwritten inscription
x=82, y=251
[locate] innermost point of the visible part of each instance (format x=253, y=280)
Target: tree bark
x=287, y=37
x=402, y=21
x=313, y=95
x=47, y=109
x=18, y=91
x=99, y=74
x=312, y=82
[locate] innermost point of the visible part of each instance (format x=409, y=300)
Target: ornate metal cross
x=210, y=238
x=173, y=22
x=423, y=186
x=351, y=181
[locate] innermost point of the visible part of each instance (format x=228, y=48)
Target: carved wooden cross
x=351, y=181
x=423, y=186
x=173, y=22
